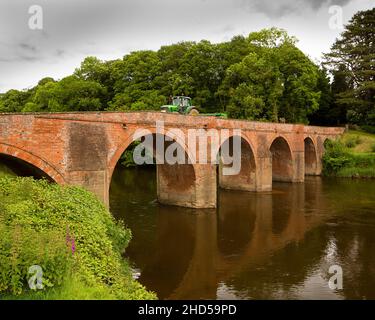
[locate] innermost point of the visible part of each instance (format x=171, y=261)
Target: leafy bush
x=21, y=247
x=338, y=161
x=335, y=157
x=38, y=221
x=373, y=148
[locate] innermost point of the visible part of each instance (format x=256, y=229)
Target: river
x=276, y=245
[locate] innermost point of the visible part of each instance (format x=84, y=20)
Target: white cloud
x=74, y=29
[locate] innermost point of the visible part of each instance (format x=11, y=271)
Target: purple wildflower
x=70, y=241
x=73, y=245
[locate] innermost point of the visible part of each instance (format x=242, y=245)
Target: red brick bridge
x=84, y=148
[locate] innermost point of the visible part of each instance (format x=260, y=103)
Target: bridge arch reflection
x=199, y=250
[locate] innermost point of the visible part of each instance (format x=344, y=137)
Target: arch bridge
x=84, y=148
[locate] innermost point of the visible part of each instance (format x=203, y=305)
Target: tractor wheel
x=193, y=112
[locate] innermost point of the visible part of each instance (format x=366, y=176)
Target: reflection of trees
x=355, y=253
x=283, y=270
x=261, y=245
x=236, y=219
x=168, y=265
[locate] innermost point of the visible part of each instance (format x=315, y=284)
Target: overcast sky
x=108, y=29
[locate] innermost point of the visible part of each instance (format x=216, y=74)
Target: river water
x=277, y=245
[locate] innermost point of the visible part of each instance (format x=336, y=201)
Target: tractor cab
x=183, y=103
x=180, y=104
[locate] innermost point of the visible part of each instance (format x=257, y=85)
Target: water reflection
x=263, y=246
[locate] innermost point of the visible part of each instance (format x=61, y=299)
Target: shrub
x=38, y=221
x=335, y=157
x=373, y=147
x=339, y=162
x=21, y=248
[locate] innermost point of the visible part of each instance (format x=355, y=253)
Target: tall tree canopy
x=260, y=77
x=352, y=61
x=275, y=80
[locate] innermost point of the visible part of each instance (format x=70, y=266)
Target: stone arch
x=176, y=183
x=245, y=178
x=282, y=160
x=114, y=159
x=311, y=158
x=33, y=160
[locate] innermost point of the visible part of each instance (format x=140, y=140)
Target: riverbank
x=352, y=156
x=69, y=236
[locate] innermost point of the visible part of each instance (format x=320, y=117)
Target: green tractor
x=183, y=105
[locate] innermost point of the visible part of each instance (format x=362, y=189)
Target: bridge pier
x=298, y=166
x=264, y=174
x=93, y=181
x=187, y=185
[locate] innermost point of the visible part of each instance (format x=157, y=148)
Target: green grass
x=362, y=142
x=356, y=172
x=73, y=288
x=353, y=155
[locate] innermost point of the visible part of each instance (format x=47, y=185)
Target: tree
x=135, y=80
x=352, y=57
x=327, y=114
x=301, y=94
x=270, y=38
x=93, y=69
x=69, y=94
x=170, y=81
x=202, y=70
x=260, y=77
x=275, y=80
x=14, y=100
x=254, y=88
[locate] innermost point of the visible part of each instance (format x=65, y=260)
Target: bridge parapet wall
x=84, y=148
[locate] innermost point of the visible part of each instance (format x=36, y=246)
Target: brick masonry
x=84, y=148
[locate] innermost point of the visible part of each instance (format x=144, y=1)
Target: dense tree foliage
x=260, y=77
x=352, y=61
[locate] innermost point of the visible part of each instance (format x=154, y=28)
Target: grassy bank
x=70, y=235
x=353, y=155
